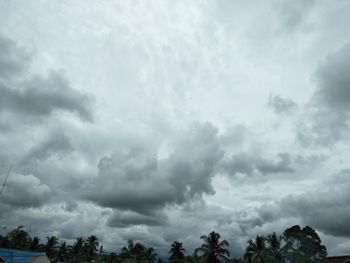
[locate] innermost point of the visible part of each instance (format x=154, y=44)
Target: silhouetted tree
x=63, y=251
x=150, y=255
x=214, y=250
x=133, y=251
x=194, y=258
x=35, y=245
x=303, y=245
x=18, y=238
x=77, y=250
x=52, y=241
x=177, y=252
x=91, y=245
x=274, y=244
x=256, y=251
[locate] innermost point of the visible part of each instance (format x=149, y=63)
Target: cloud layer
x=139, y=120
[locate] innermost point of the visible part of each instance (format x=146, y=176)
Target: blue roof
x=18, y=256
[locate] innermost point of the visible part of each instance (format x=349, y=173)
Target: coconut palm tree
x=177, y=252
x=35, y=244
x=214, y=250
x=256, y=251
x=63, y=251
x=77, y=250
x=133, y=251
x=150, y=255
x=91, y=245
x=274, y=247
x=50, y=246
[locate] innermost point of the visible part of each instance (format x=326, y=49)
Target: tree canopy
x=295, y=245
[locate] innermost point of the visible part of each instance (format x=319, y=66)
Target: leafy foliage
x=303, y=245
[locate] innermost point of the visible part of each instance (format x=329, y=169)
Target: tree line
x=295, y=245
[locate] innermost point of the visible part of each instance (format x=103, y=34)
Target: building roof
x=340, y=259
x=20, y=256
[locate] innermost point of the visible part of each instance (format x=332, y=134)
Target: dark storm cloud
x=249, y=164
x=35, y=96
x=139, y=182
x=130, y=218
x=42, y=96
x=326, y=209
x=328, y=122
x=130, y=181
x=281, y=105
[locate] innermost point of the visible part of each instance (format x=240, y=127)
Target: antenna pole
x=7, y=175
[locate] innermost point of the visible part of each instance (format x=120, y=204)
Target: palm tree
x=256, y=251
x=91, y=245
x=177, y=252
x=150, y=255
x=35, y=244
x=77, y=249
x=214, y=250
x=274, y=247
x=50, y=246
x=63, y=251
x=133, y=251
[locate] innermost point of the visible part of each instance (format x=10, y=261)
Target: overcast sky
x=164, y=120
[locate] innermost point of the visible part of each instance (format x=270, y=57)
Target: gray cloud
x=326, y=209
x=14, y=60
x=281, y=105
x=327, y=121
x=249, y=164
x=294, y=13
x=35, y=96
x=137, y=181
x=130, y=218
x=333, y=79
x=39, y=97
x=25, y=191
x=32, y=102
x=57, y=144
x=157, y=175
